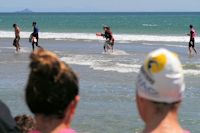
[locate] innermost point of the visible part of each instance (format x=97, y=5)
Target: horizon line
x=101, y=12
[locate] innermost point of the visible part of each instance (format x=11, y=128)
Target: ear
x=70, y=111
x=74, y=104
x=140, y=106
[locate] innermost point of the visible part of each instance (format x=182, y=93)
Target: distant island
x=26, y=10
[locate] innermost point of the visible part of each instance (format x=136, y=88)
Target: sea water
x=125, y=26
x=107, y=80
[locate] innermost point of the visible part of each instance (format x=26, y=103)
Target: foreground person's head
x=52, y=91
x=159, y=89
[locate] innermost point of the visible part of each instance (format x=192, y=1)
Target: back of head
x=106, y=27
x=191, y=26
x=14, y=25
x=161, y=78
x=52, y=85
x=34, y=23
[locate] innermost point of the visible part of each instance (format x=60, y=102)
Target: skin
x=17, y=31
x=54, y=125
x=189, y=48
x=17, y=34
x=157, y=122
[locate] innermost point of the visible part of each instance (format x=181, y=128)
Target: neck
x=50, y=125
x=165, y=123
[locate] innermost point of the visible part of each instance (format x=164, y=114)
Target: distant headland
x=26, y=10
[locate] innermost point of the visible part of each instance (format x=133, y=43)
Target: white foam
x=108, y=65
x=171, y=45
x=16, y=52
x=10, y=34
x=22, y=49
x=7, y=47
x=115, y=52
x=128, y=65
x=78, y=60
x=91, y=36
x=119, y=52
x=150, y=44
x=180, y=46
x=154, y=38
x=13, y=62
x=118, y=67
x=123, y=41
x=191, y=72
x=149, y=25
x=4, y=62
x=25, y=50
x=115, y=69
x=101, y=64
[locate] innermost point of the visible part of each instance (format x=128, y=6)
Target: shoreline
x=119, y=37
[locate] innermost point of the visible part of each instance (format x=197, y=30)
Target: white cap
x=161, y=77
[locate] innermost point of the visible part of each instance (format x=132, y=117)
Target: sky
x=101, y=5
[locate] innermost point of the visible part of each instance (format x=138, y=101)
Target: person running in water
x=109, y=38
x=17, y=37
x=35, y=36
x=192, y=39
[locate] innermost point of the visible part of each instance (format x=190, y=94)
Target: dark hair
x=191, y=26
x=34, y=23
x=106, y=27
x=25, y=123
x=14, y=25
x=52, y=85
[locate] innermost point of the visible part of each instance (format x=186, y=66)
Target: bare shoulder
x=18, y=29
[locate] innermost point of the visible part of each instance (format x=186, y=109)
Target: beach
x=107, y=80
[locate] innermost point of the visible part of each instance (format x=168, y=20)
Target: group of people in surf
x=34, y=37
x=109, y=43
x=107, y=34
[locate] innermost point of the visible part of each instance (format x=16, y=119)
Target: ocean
x=107, y=80
x=127, y=27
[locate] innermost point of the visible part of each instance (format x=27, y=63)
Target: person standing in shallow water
x=52, y=93
x=191, y=44
x=35, y=36
x=109, y=43
x=17, y=37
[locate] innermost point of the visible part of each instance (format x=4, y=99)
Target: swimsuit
x=109, y=37
x=192, y=40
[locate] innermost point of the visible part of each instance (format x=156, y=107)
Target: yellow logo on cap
x=156, y=64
